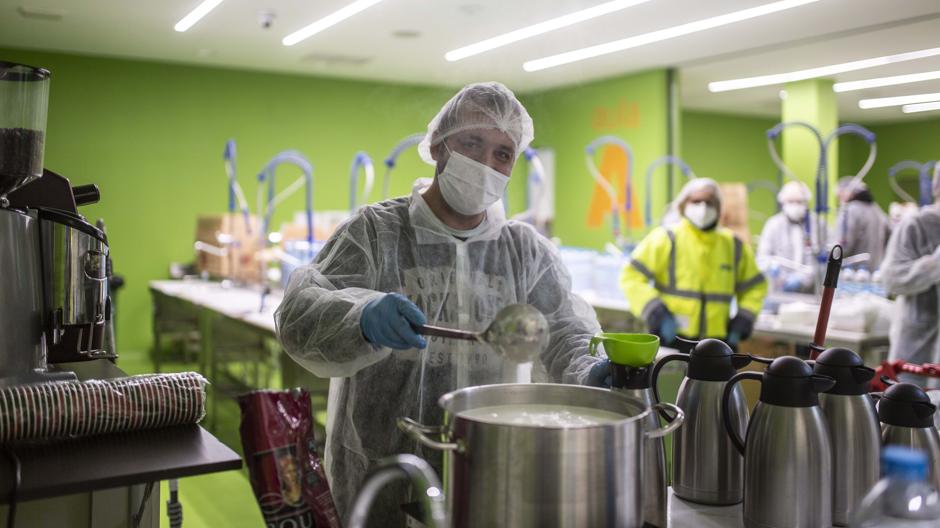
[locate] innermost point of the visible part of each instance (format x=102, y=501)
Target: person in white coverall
x=789, y=236
x=446, y=255
x=861, y=225
x=911, y=270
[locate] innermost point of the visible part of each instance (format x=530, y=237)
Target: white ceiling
x=365, y=46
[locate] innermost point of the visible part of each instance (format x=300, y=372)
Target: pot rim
x=445, y=402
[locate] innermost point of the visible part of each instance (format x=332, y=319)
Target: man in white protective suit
x=911, y=270
x=446, y=255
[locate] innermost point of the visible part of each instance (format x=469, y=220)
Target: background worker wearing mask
x=446, y=256
x=862, y=227
x=911, y=270
x=789, y=235
x=682, y=279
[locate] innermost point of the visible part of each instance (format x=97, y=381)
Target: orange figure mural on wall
x=613, y=168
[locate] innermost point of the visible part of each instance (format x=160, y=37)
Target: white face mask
x=469, y=186
x=701, y=214
x=795, y=212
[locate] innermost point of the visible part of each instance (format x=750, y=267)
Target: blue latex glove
x=668, y=330
x=389, y=321
x=793, y=283
x=599, y=375
x=739, y=327
x=662, y=323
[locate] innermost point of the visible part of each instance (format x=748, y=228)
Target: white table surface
x=684, y=514
x=239, y=303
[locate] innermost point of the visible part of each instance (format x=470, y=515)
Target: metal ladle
x=519, y=332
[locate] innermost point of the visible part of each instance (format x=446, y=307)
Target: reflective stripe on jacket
x=696, y=274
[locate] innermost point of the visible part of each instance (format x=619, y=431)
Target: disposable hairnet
x=862, y=227
x=794, y=190
x=695, y=185
x=401, y=246
x=480, y=105
x=850, y=185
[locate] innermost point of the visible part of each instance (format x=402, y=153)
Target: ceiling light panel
x=196, y=15
x=540, y=28
x=328, y=21
x=822, y=71
x=661, y=35
x=880, y=82
x=882, y=102
x=920, y=107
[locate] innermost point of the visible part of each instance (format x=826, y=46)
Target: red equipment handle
x=891, y=369
x=831, y=281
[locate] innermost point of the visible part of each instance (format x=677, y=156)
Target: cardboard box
x=762, y=347
x=232, y=247
x=734, y=210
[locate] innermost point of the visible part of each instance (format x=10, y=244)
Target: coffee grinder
x=54, y=304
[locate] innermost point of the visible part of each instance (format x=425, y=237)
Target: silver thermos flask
x=787, y=453
x=906, y=416
x=635, y=381
x=706, y=467
x=853, y=430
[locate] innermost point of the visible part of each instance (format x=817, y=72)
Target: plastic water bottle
x=903, y=497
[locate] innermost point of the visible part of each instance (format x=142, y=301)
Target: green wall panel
x=915, y=140
x=567, y=119
x=732, y=148
x=151, y=136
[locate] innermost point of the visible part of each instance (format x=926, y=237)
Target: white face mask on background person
x=701, y=214
x=795, y=212
x=470, y=187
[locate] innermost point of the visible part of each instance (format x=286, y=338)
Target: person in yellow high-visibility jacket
x=682, y=278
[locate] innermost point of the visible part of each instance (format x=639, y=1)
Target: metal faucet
x=422, y=478
x=392, y=158
x=361, y=160
x=291, y=157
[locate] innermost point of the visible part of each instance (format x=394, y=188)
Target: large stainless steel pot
x=75, y=283
x=514, y=475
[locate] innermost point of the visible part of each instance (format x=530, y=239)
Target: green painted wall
x=916, y=140
x=732, y=148
x=811, y=101
x=567, y=119
x=151, y=135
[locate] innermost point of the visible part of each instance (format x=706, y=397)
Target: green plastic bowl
x=632, y=350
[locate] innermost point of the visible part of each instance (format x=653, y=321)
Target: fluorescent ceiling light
x=196, y=14
x=660, y=35
x=328, y=21
x=822, y=71
x=894, y=80
x=882, y=102
x=541, y=27
x=920, y=107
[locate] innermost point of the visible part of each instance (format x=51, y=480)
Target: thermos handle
x=674, y=424
x=684, y=345
x=418, y=431
x=654, y=375
x=726, y=405
x=759, y=359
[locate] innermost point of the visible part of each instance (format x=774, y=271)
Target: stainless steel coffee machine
x=54, y=303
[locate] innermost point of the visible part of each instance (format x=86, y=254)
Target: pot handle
x=674, y=424
x=419, y=431
x=726, y=406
